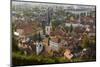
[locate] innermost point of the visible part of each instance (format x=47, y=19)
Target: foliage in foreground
x=20, y=59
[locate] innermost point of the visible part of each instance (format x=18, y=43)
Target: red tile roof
x=27, y=28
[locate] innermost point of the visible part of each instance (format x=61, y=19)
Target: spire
x=49, y=12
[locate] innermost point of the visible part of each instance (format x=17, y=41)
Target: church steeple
x=49, y=13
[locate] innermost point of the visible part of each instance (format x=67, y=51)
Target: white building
x=54, y=46
x=74, y=25
x=48, y=29
x=39, y=47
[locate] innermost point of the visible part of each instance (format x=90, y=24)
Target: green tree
x=66, y=28
x=85, y=41
x=14, y=40
x=71, y=28
x=39, y=37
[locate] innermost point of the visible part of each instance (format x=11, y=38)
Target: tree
x=85, y=41
x=71, y=28
x=35, y=37
x=39, y=37
x=14, y=40
x=66, y=28
x=14, y=44
x=53, y=24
